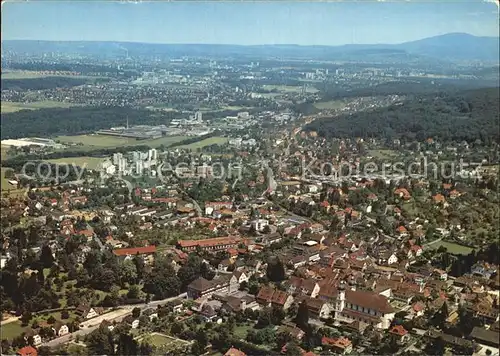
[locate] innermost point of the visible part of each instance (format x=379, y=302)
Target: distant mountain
x=449, y=47
x=456, y=46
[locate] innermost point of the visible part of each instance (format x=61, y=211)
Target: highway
x=92, y=324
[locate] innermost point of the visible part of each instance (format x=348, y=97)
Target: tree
x=64, y=314
x=46, y=258
x=100, y=342
x=276, y=270
x=126, y=345
x=302, y=318
x=133, y=292
x=190, y=270
x=25, y=317
x=128, y=272
x=51, y=320
x=282, y=338
x=292, y=349
x=136, y=312
x=162, y=281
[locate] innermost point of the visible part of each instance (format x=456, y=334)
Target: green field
x=90, y=142
x=9, y=107
x=22, y=75
x=206, y=142
x=163, y=341
x=11, y=330
x=289, y=88
x=6, y=187
x=453, y=248
x=382, y=154
x=329, y=105
x=88, y=162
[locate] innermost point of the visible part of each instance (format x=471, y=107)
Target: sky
x=248, y=23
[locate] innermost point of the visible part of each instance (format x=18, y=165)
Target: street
x=114, y=316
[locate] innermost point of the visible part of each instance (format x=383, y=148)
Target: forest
x=41, y=83
x=447, y=116
x=76, y=120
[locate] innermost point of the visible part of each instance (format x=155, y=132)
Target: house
x=235, y=304
x=400, y=333
x=177, y=305
x=60, y=329
x=341, y=345
x=241, y=276
x=86, y=311
x=485, y=337
x=292, y=330
x=234, y=352
x=269, y=296
x=318, y=308
x=305, y=286
x=129, y=253
x=37, y=339
x=203, y=288
x=135, y=324
x=402, y=193
x=27, y=351
x=214, y=244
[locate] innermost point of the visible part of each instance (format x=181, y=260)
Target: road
x=114, y=316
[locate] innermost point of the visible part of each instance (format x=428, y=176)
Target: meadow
x=93, y=141
x=289, y=88
x=206, y=142
x=329, y=105
x=453, y=248
x=9, y=106
x=87, y=162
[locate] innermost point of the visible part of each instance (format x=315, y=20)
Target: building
x=215, y=244
x=203, y=288
x=364, y=306
x=129, y=253
x=268, y=296
x=86, y=312
x=27, y=351
x=339, y=345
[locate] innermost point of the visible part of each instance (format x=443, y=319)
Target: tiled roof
x=135, y=251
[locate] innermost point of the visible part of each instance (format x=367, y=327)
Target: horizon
x=249, y=45
x=247, y=23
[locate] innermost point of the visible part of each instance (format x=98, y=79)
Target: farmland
x=9, y=106
x=329, y=105
x=288, y=88
x=453, y=248
x=93, y=141
x=206, y=142
x=6, y=187
x=87, y=162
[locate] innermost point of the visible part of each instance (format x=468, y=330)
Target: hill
x=449, y=116
x=453, y=47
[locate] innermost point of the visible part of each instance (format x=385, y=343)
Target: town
x=263, y=200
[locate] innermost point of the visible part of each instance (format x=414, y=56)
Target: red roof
x=399, y=330
x=27, y=351
x=209, y=242
x=135, y=251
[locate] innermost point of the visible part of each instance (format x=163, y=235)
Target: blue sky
x=248, y=23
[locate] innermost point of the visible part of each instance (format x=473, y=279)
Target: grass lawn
x=3, y=151
x=241, y=331
x=5, y=186
x=329, y=105
x=11, y=330
x=382, y=154
x=453, y=248
x=90, y=142
x=88, y=162
x=289, y=88
x=206, y=142
x=8, y=107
